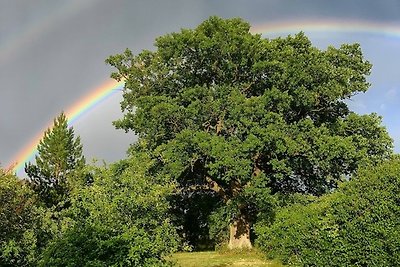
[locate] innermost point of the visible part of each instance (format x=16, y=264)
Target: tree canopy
x=226, y=111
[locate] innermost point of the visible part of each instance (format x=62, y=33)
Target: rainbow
x=327, y=25
x=269, y=29
x=74, y=113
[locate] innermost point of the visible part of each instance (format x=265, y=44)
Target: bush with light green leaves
x=121, y=219
x=357, y=225
x=17, y=218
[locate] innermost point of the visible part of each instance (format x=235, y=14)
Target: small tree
x=225, y=111
x=59, y=155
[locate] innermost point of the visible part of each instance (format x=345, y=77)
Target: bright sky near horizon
x=52, y=56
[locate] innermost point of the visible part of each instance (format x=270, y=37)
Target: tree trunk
x=240, y=234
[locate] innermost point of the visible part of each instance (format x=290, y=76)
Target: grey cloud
x=60, y=62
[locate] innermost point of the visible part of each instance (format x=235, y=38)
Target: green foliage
x=17, y=217
x=357, y=225
x=121, y=219
x=59, y=156
x=91, y=217
x=219, y=221
x=191, y=213
x=222, y=109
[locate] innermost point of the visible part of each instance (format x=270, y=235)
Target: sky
x=52, y=56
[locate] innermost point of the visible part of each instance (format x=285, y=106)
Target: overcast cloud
x=52, y=54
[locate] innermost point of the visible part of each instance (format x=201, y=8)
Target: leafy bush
x=17, y=217
x=121, y=219
x=357, y=225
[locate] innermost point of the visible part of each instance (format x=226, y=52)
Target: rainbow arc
x=73, y=113
x=328, y=25
x=110, y=87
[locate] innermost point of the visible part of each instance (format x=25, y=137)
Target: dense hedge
x=357, y=225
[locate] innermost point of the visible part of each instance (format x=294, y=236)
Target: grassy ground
x=225, y=259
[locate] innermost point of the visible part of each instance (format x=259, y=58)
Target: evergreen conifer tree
x=59, y=155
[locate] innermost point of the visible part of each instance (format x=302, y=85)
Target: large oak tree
x=229, y=112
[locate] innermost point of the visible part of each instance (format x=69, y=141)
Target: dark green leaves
x=223, y=109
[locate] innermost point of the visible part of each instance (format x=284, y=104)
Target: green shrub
x=357, y=225
x=121, y=219
x=18, y=242
x=96, y=245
